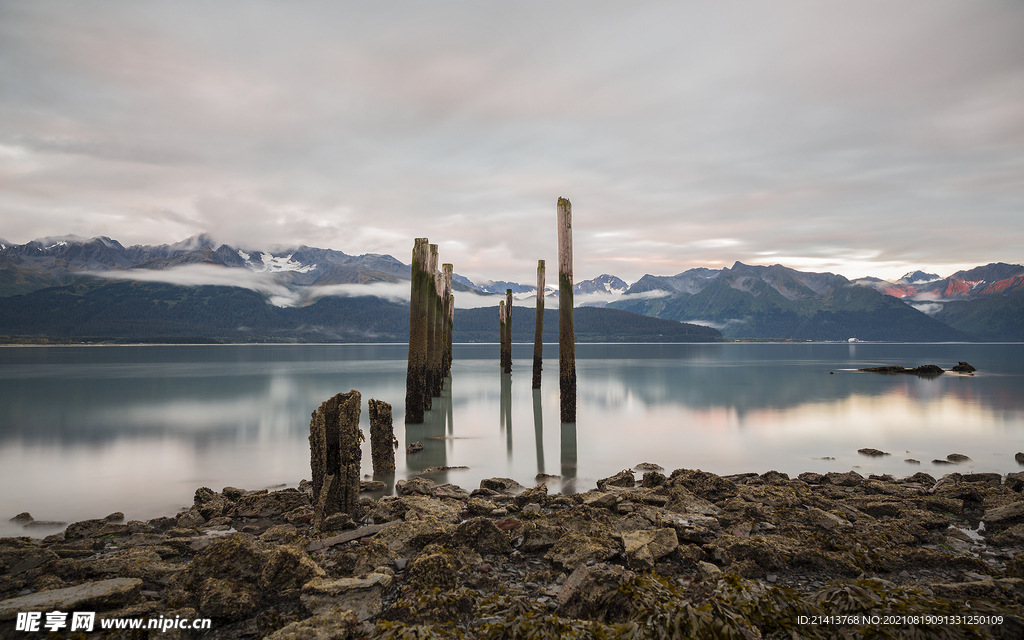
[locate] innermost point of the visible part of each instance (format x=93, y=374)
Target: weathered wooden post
x=508, y=331
x=502, y=323
x=382, y=438
x=451, y=329
x=335, y=456
x=447, y=270
x=428, y=390
x=538, y=332
x=415, y=382
x=566, y=329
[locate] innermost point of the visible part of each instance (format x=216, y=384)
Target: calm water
x=85, y=431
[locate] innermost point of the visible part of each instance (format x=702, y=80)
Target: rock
x=644, y=548
x=680, y=500
x=409, y=537
x=416, y=507
x=963, y=367
x=102, y=595
x=649, y=466
x=624, y=478
x=144, y=563
x=812, y=478
x=232, y=566
x=848, y=479
x=1004, y=514
x=924, y=370
x=1019, y=457
x=708, y=572
x=209, y=504
x=83, y=529
x=362, y=596
x=332, y=625
x=279, y=534
x=337, y=522
x=22, y=518
x=286, y=570
x=957, y=458
x=117, y=516
x=480, y=507
x=1015, y=481
x=372, y=486
x=573, y=549
x=653, y=479
x=703, y=484
x=433, y=571
x=226, y=599
x=912, y=461
x=601, y=500
x=261, y=504
x=537, y=495
x=774, y=477
x=991, y=479
x=590, y=590
x=824, y=519
x=874, y=453
x=483, y=536
x=191, y=519
x=232, y=493
x=415, y=486
x=414, y=447
x=502, y=485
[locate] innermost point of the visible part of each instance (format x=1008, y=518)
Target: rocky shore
x=687, y=554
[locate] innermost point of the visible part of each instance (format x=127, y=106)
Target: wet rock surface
x=695, y=553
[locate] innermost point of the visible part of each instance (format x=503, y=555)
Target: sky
x=861, y=138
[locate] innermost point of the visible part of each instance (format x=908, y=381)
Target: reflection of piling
x=506, y=410
x=566, y=330
x=538, y=430
x=447, y=306
x=416, y=377
x=335, y=456
x=568, y=457
x=382, y=438
x=432, y=318
x=538, y=332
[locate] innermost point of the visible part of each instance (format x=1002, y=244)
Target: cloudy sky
x=862, y=138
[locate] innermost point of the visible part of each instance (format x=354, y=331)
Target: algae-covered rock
x=573, y=549
x=286, y=570
x=481, y=535
x=339, y=624
x=624, y=478
x=433, y=570
x=703, y=484
x=590, y=591
x=644, y=548
x=407, y=538
x=363, y=595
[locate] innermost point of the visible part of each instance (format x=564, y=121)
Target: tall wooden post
x=538, y=332
x=335, y=456
x=566, y=329
x=431, y=284
x=502, y=323
x=447, y=270
x=508, y=331
x=415, y=381
x=451, y=329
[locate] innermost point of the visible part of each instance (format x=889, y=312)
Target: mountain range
x=744, y=301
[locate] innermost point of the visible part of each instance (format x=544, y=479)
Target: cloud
x=197, y=275
x=685, y=135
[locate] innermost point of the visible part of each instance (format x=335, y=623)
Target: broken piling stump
x=447, y=307
x=566, y=329
x=382, y=437
x=432, y=318
x=335, y=456
x=502, y=323
x=538, y=332
x=415, y=383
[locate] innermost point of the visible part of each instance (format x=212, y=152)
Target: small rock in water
x=957, y=458
x=649, y=466
x=1019, y=457
x=874, y=453
x=414, y=447
x=912, y=461
x=964, y=368
x=26, y=517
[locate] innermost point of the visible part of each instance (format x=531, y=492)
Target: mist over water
x=85, y=431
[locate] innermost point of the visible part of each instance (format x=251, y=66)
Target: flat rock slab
x=348, y=536
x=96, y=596
x=363, y=596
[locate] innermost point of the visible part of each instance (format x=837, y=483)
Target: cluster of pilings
x=431, y=312
x=335, y=454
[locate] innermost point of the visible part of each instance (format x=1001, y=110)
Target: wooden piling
x=451, y=329
x=415, y=385
x=502, y=324
x=335, y=456
x=447, y=270
x=566, y=329
x=428, y=390
x=382, y=438
x=538, y=332
x=508, y=331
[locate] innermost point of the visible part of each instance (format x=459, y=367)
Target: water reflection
x=88, y=431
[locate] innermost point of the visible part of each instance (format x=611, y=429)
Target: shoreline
x=691, y=544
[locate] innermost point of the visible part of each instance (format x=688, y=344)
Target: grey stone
x=363, y=596
x=643, y=548
x=96, y=596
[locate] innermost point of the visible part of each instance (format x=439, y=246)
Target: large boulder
x=704, y=484
x=363, y=596
x=483, y=536
x=407, y=538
